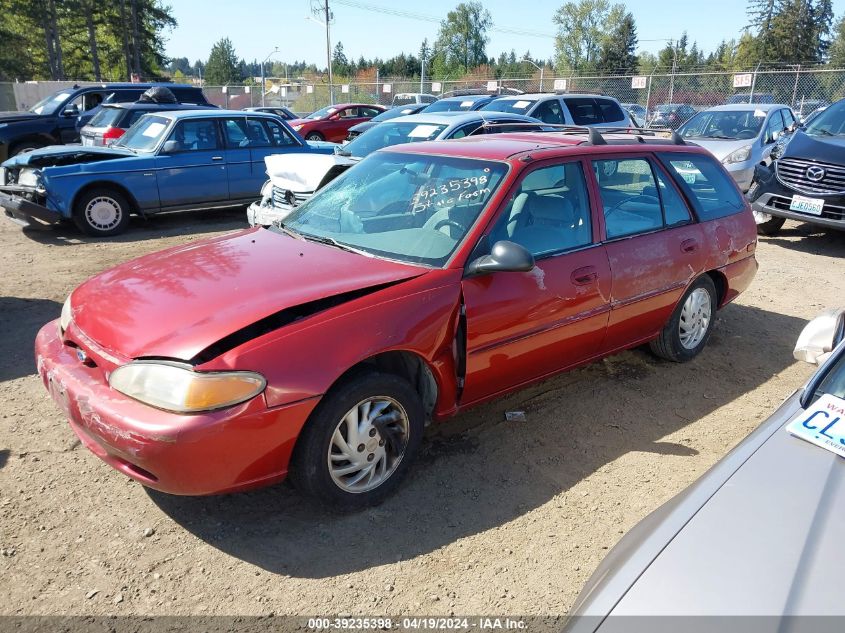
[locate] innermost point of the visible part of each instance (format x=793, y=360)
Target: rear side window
x=188, y=95
x=549, y=112
x=706, y=184
x=584, y=111
x=610, y=111
x=636, y=197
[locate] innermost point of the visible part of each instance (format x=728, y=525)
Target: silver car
x=740, y=136
x=759, y=534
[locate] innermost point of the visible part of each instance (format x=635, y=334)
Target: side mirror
x=820, y=337
x=504, y=257
x=71, y=111
x=170, y=147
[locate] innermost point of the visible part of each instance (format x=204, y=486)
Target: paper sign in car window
x=153, y=129
x=823, y=424
x=759, y=114
x=521, y=105
x=466, y=104
x=422, y=131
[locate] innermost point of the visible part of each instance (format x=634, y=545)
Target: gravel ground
x=497, y=517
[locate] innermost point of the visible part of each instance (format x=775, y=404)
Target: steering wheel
x=450, y=222
x=746, y=133
x=618, y=206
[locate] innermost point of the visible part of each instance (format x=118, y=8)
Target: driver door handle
x=216, y=158
x=584, y=276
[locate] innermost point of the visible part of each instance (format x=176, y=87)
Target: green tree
x=837, y=47
x=619, y=47
x=222, y=68
x=340, y=64
x=584, y=28
x=462, y=39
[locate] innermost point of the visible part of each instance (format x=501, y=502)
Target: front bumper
x=769, y=197
x=260, y=214
x=23, y=211
x=220, y=451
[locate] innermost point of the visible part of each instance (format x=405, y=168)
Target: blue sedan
x=168, y=161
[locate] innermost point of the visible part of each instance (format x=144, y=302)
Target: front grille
x=280, y=197
x=830, y=211
x=792, y=172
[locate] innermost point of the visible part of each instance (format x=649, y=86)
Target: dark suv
x=806, y=180
x=57, y=119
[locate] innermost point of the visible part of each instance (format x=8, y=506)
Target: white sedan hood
x=303, y=173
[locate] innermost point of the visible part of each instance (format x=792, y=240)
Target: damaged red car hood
x=178, y=302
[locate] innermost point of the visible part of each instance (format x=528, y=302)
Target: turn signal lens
x=65, y=319
x=178, y=388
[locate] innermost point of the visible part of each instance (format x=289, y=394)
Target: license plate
x=823, y=424
x=813, y=206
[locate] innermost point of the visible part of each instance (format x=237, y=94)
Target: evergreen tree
x=222, y=67
x=618, y=51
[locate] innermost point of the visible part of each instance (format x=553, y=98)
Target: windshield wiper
x=342, y=152
x=330, y=241
x=823, y=132
x=279, y=224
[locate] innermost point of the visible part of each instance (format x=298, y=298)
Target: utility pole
x=329, y=52
x=422, y=73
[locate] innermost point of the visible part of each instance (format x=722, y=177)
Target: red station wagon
x=332, y=123
x=428, y=278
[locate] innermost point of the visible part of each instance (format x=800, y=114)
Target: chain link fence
x=803, y=88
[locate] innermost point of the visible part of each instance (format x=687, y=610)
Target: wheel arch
x=41, y=138
x=405, y=364
x=105, y=184
x=721, y=282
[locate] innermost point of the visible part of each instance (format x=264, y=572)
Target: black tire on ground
x=101, y=212
x=24, y=147
x=314, y=136
x=309, y=469
x=669, y=344
x=770, y=227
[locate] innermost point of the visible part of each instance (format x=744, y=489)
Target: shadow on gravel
x=813, y=239
x=20, y=320
x=4, y=456
x=150, y=228
x=478, y=472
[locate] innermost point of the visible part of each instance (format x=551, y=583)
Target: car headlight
x=29, y=177
x=739, y=156
x=176, y=387
x=65, y=319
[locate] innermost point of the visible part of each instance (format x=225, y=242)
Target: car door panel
x=521, y=326
x=195, y=174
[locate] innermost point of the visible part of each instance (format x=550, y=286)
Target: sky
x=256, y=27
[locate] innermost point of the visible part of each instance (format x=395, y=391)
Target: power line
x=424, y=17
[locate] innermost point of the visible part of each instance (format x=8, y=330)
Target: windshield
x=48, y=105
x=400, y=100
x=145, y=134
x=831, y=122
x=451, y=105
x=724, y=124
x=413, y=208
x=322, y=113
x=106, y=117
x=517, y=106
x=392, y=133
x=391, y=114
x=834, y=381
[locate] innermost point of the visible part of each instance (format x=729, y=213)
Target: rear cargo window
x=706, y=184
x=106, y=117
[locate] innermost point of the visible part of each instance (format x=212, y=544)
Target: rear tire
x=770, y=227
x=380, y=449
x=691, y=324
x=101, y=212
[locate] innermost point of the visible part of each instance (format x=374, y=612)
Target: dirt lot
x=497, y=517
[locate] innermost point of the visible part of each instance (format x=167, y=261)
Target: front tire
x=771, y=226
x=314, y=136
x=101, y=212
x=691, y=324
x=25, y=148
x=359, y=442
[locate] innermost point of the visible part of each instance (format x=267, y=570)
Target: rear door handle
x=216, y=158
x=689, y=246
x=584, y=276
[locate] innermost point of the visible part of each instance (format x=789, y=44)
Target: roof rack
x=595, y=135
